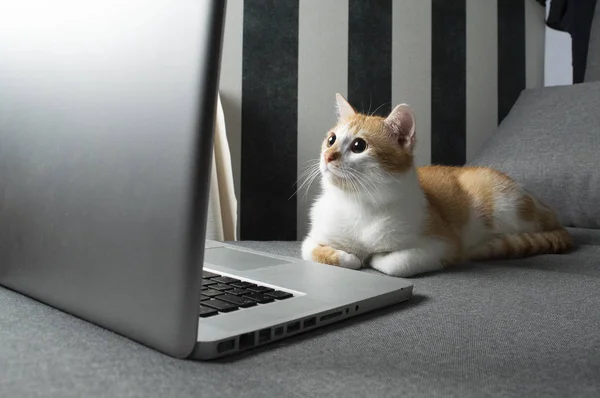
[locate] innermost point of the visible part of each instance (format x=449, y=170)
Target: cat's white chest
x=362, y=230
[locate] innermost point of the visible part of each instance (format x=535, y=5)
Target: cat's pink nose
x=330, y=156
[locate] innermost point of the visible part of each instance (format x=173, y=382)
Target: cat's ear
x=402, y=125
x=343, y=109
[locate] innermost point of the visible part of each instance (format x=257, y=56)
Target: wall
x=558, y=58
x=459, y=64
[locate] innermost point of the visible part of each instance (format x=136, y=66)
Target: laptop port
x=226, y=345
x=264, y=336
x=293, y=327
x=246, y=341
x=278, y=331
x=331, y=316
x=310, y=322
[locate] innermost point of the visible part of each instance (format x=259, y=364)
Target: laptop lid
x=106, y=124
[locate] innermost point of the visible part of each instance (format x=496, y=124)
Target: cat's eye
x=331, y=140
x=358, y=145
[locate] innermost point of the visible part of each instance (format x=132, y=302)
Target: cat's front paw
x=328, y=255
x=331, y=256
x=349, y=260
x=405, y=263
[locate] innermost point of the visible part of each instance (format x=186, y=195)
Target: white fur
x=378, y=219
x=506, y=213
x=385, y=213
x=347, y=260
x=392, y=223
x=424, y=257
x=475, y=232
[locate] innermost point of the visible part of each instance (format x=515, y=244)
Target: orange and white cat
x=376, y=209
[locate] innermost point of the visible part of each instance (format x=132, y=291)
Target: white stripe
x=322, y=72
x=558, y=59
x=535, y=32
x=411, y=67
x=482, y=72
x=230, y=86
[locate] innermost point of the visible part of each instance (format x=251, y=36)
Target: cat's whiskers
x=355, y=190
x=372, y=113
x=348, y=183
x=308, y=168
x=375, y=202
x=366, y=184
x=308, y=183
x=312, y=179
x=308, y=176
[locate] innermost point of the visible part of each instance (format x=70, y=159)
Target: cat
x=376, y=209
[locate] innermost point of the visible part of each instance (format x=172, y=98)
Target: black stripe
x=370, y=55
x=269, y=120
x=448, y=82
x=511, y=54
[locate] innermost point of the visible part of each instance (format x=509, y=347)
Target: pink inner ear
x=401, y=124
x=403, y=140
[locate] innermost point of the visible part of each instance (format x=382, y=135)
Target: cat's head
x=362, y=150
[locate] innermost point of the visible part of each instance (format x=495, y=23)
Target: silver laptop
x=106, y=123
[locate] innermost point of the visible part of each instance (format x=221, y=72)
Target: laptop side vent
x=263, y=336
x=226, y=345
x=247, y=341
x=293, y=327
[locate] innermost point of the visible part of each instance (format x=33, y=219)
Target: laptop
x=106, y=127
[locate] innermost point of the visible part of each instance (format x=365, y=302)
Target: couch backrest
x=550, y=143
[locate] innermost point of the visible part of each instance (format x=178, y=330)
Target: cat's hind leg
x=313, y=251
x=431, y=254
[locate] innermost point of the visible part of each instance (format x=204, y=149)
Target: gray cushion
x=592, y=70
x=586, y=236
x=550, y=142
x=513, y=328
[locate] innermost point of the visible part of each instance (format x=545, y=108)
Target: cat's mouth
x=334, y=173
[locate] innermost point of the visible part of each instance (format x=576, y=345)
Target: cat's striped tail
x=523, y=245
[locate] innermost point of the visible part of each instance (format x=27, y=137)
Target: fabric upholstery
x=511, y=328
x=592, y=72
x=550, y=143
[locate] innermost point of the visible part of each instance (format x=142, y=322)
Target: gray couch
x=528, y=327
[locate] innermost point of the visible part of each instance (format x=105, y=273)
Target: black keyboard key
x=279, y=295
x=204, y=298
x=219, y=305
x=239, y=301
x=208, y=282
x=207, y=274
x=207, y=311
x=211, y=293
x=259, y=297
x=225, y=279
x=259, y=289
x=221, y=287
x=238, y=292
x=242, y=285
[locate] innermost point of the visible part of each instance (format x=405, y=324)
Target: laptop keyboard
x=222, y=294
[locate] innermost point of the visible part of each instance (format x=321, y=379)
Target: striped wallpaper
x=459, y=63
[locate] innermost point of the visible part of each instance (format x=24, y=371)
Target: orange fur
x=325, y=255
x=477, y=212
x=453, y=191
x=393, y=158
